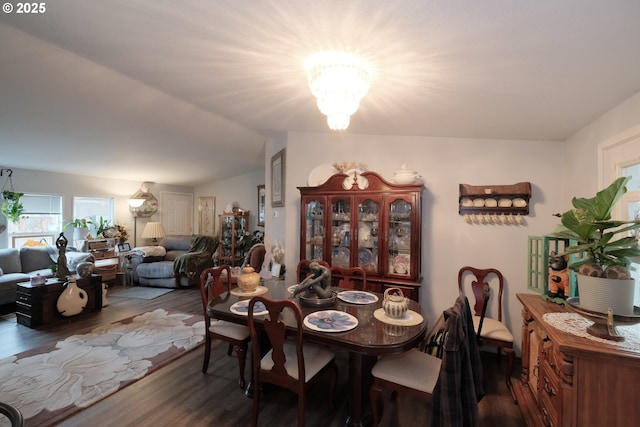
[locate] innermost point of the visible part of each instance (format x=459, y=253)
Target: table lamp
x=153, y=230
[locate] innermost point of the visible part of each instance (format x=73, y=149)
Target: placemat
x=412, y=318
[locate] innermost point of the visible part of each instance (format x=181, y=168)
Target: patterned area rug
x=48, y=384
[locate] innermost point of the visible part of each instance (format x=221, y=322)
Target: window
x=41, y=222
x=92, y=208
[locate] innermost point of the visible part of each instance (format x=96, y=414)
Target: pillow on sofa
x=1, y=272
x=10, y=260
x=37, y=257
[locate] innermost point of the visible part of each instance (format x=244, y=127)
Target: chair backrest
x=349, y=278
x=304, y=270
x=213, y=283
x=480, y=286
x=255, y=256
x=276, y=332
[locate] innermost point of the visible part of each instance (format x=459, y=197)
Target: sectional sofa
x=20, y=265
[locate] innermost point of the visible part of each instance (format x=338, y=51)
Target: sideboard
x=568, y=380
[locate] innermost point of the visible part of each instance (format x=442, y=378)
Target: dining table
x=375, y=334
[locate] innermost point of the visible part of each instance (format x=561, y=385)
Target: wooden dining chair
x=289, y=363
x=303, y=269
x=425, y=376
x=354, y=278
x=212, y=286
x=491, y=330
x=12, y=413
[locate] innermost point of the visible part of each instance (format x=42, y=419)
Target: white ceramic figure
x=72, y=300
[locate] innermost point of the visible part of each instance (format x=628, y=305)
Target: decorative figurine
x=558, y=276
x=319, y=282
x=63, y=271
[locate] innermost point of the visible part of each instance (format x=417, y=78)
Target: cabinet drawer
x=550, y=395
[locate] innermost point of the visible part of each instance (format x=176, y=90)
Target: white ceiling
x=186, y=92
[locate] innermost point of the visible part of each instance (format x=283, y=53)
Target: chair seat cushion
x=493, y=329
x=315, y=358
x=412, y=368
x=228, y=329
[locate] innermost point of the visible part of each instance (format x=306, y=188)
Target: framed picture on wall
x=277, y=179
x=206, y=208
x=261, y=203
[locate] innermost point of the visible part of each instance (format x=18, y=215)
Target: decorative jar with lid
x=248, y=280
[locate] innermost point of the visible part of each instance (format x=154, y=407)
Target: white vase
x=599, y=294
x=72, y=300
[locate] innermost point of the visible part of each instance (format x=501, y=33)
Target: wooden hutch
x=360, y=219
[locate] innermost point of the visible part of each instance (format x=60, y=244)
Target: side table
x=36, y=304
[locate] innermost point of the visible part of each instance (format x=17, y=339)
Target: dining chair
x=290, y=363
x=452, y=385
x=491, y=330
x=303, y=269
x=354, y=278
x=12, y=413
x=212, y=286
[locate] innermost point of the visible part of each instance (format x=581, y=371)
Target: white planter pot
x=598, y=294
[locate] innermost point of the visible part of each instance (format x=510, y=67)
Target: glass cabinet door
x=399, y=256
x=227, y=236
x=368, y=223
x=314, y=229
x=340, y=232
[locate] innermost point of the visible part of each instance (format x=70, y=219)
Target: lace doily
x=575, y=324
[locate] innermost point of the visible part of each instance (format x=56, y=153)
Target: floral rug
x=48, y=384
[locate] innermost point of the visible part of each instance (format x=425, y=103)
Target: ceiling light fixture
x=339, y=81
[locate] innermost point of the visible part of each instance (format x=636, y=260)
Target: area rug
x=48, y=384
x=140, y=292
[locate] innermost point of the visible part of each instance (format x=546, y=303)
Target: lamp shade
x=153, y=230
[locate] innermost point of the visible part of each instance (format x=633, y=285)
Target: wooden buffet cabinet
x=360, y=219
x=569, y=380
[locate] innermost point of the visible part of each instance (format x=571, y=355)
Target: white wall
x=241, y=191
x=69, y=185
x=580, y=168
x=448, y=242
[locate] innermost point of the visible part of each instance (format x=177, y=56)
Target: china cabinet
x=360, y=219
x=232, y=227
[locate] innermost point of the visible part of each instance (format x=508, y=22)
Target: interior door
x=177, y=213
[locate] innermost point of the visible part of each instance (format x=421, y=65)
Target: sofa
x=21, y=264
x=176, y=262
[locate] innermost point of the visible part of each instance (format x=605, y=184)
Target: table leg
x=359, y=383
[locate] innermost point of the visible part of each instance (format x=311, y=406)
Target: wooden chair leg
x=256, y=404
x=374, y=402
x=229, y=349
x=301, y=400
x=241, y=352
x=333, y=377
x=207, y=354
x=511, y=357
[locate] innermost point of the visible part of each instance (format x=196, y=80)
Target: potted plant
x=11, y=207
x=80, y=228
x=605, y=248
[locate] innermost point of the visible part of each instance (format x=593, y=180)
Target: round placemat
x=240, y=293
x=410, y=319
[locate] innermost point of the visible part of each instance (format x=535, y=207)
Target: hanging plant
x=11, y=207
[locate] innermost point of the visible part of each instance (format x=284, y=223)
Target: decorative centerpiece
x=604, y=281
x=248, y=280
x=72, y=300
x=315, y=290
x=395, y=304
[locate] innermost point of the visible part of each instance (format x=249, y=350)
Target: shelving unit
x=232, y=227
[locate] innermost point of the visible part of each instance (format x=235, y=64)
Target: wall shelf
x=494, y=199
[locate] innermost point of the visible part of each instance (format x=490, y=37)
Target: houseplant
x=605, y=248
x=80, y=228
x=11, y=207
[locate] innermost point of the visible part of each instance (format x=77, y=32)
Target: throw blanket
x=202, y=249
x=146, y=251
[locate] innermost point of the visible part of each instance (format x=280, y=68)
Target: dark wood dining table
x=370, y=339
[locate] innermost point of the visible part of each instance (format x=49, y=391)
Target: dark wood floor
x=179, y=394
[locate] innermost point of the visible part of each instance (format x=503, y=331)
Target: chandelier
x=339, y=81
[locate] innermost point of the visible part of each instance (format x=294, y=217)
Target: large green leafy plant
x=11, y=207
x=607, y=245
